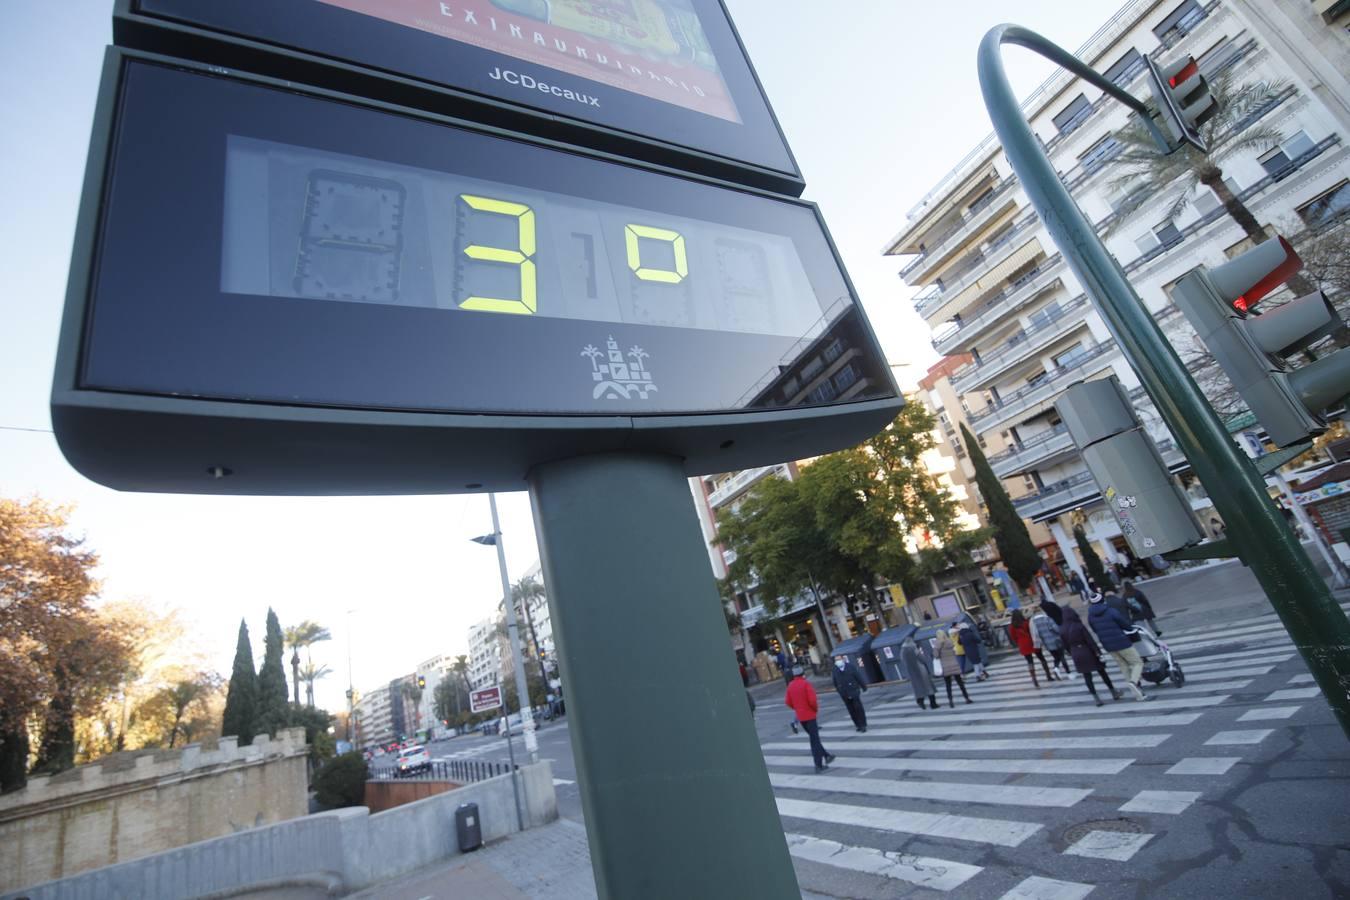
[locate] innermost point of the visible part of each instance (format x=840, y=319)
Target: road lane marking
x=1114, y=845
x=1001, y=832
x=1038, y=888
x=1054, y=706
x=1075, y=742
x=1305, y=678
x=1267, y=713
x=1226, y=738
x=1204, y=765
x=925, y=871
x=1100, y=766
x=1168, y=802
x=1092, y=724
x=944, y=791
x=1294, y=694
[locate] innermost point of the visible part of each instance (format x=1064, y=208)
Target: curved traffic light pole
x=1255, y=527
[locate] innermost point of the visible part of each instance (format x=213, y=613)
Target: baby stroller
x=1159, y=664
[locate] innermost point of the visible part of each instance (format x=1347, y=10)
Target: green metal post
x=673, y=783
x=1299, y=595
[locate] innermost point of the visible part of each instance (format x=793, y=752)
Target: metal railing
x=459, y=771
x=1050, y=490
x=1018, y=344
x=976, y=266
x=1031, y=391
x=1002, y=303
x=939, y=242
x=1030, y=443
x=1183, y=29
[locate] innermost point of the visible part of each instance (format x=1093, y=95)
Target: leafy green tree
x=523, y=593
x=342, y=781
x=273, y=700
x=1015, y=548
x=1093, y=562
x=241, y=697
x=1143, y=169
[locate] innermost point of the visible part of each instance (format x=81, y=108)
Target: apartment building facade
x=998, y=295
x=485, y=654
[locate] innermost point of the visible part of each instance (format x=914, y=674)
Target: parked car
x=411, y=760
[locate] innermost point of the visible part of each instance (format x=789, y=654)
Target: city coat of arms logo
x=616, y=376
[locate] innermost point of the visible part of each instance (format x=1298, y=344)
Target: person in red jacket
x=802, y=698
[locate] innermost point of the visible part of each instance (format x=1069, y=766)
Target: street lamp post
x=513, y=631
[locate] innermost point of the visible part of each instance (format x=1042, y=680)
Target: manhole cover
x=1120, y=826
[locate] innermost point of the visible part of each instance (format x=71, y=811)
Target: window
x=959, y=450
x=824, y=393
x=844, y=378
x=812, y=368
x=981, y=201
x=1147, y=242
x=1328, y=206
x=1073, y=115
x=1046, y=315
x=833, y=350
x=979, y=439
x=1069, y=357
x=1167, y=234
x=1099, y=153
x=1125, y=69
x=1181, y=22
x=1218, y=56
x=1280, y=162
x=1241, y=246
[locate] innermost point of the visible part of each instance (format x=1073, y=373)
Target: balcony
x=1091, y=358
x=1028, y=340
x=974, y=218
x=979, y=264
x=740, y=482
x=1027, y=287
x=1033, y=452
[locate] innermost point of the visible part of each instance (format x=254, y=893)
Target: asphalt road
x=1235, y=785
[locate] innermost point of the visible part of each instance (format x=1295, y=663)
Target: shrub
x=342, y=781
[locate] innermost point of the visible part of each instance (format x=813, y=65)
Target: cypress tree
x=273, y=709
x=1093, y=562
x=1019, y=554
x=241, y=700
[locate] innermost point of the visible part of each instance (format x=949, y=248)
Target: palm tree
x=523, y=592
x=312, y=673
x=306, y=634
x=413, y=693
x=1144, y=169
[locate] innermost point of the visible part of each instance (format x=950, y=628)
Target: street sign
x=661, y=80
x=485, y=699
x=358, y=301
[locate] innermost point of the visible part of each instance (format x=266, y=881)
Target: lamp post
x=513, y=631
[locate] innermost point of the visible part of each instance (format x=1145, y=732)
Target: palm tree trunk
x=538, y=656
x=1239, y=213
x=295, y=672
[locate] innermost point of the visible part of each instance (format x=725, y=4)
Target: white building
x=373, y=717
x=485, y=654
x=995, y=286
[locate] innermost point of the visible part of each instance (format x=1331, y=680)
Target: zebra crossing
x=955, y=800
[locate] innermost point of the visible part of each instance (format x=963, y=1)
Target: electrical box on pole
x=1185, y=101
x=1153, y=513
x=1252, y=347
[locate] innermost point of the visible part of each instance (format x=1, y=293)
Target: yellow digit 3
x=521, y=257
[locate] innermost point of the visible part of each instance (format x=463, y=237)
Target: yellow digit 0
x=631, y=233
x=527, y=303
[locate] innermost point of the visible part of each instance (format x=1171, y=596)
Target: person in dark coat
x=1054, y=610
x=919, y=670
x=1086, y=659
x=849, y=683
x=1077, y=586
x=1140, y=609
x=1019, y=629
x=1113, y=631
x=973, y=646
x=802, y=698
x=1116, y=602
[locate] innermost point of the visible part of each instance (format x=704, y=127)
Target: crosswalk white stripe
x=1225, y=673
x=1294, y=694
x=1282, y=642
x=1038, y=888
x=1238, y=657
x=1096, y=766
x=1109, y=742
x=1204, y=664
x=1272, y=624
x=1077, y=724
x=945, y=791
x=1226, y=738
x=1004, y=833
x=925, y=871
x=1204, y=765
x=1054, y=706
x=1306, y=678
x=1264, y=618
x=1268, y=713
x=1113, y=845
x=1231, y=634
x=1165, y=802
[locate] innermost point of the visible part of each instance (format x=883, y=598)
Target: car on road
x=411, y=760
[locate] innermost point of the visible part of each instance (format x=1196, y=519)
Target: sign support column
x=673, y=783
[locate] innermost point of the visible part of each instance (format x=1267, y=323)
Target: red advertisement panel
x=656, y=48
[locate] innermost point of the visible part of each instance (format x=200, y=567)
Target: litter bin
x=468, y=828
x=886, y=650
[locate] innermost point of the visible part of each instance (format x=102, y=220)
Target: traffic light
x=1153, y=513
x=1251, y=347
x=421, y=681
x=1184, y=99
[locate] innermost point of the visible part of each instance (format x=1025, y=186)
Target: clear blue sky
x=878, y=99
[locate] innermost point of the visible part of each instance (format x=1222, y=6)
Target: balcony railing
x=978, y=265
x=1005, y=301
x=1080, y=488
x=1020, y=344
x=737, y=483
x=1026, y=454
x=939, y=242
x=1219, y=212
x=1183, y=28
x=1032, y=393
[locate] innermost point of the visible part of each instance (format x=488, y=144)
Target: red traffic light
x=1248, y=277
x=1190, y=68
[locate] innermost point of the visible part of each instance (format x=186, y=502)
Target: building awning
x=900, y=245
x=997, y=275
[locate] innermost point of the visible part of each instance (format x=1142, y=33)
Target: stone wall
x=331, y=853
x=130, y=805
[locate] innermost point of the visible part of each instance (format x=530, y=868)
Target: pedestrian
x=745, y=675
x=751, y=697
x=945, y=652
x=814, y=653
x=784, y=665
x=1077, y=586
x=962, y=663
x=802, y=698
x=969, y=638
x=1119, y=604
x=1112, y=630
x=1140, y=608
x=1047, y=634
x=848, y=681
x=919, y=670
x=1020, y=631
x=1086, y=659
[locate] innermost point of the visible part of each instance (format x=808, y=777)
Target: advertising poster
x=655, y=48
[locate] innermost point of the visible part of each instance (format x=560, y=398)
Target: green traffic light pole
x=1255, y=528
